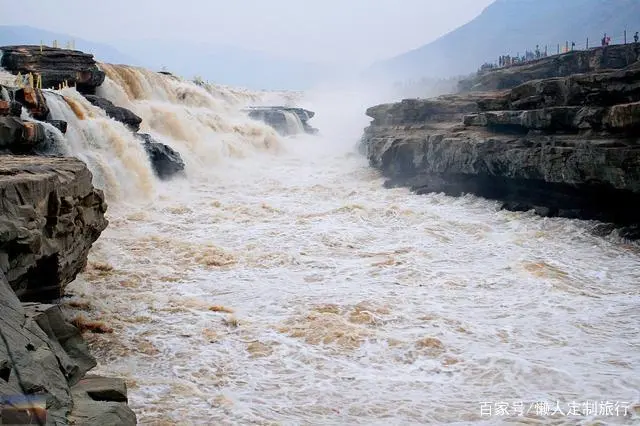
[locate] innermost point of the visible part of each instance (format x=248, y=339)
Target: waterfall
x=116, y=158
x=294, y=124
x=200, y=121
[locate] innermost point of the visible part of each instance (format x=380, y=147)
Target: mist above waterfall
x=260, y=45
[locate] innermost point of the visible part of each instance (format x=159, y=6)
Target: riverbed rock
x=56, y=66
x=282, y=119
x=50, y=215
x=566, y=146
x=120, y=114
x=166, y=161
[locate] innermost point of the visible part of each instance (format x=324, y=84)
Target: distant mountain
x=217, y=64
x=28, y=35
x=511, y=27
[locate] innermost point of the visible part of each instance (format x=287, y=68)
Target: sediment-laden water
x=279, y=283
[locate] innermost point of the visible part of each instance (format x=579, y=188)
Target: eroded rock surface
x=50, y=215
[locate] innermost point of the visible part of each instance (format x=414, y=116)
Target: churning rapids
x=279, y=283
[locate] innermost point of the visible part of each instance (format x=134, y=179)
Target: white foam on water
x=352, y=304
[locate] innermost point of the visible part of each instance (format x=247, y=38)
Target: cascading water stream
x=116, y=158
x=204, y=126
x=294, y=125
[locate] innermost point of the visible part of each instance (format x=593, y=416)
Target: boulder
x=120, y=114
x=50, y=215
x=166, y=162
x=56, y=66
x=564, y=146
x=101, y=401
x=20, y=137
x=33, y=100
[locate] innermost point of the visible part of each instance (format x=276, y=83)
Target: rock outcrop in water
x=280, y=118
x=120, y=114
x=56, y=66
x=50, y=215
x=16, y=135
x=565, y=146
x=20, y=137
x=166, y=162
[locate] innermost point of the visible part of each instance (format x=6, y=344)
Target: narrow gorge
x=181, y=252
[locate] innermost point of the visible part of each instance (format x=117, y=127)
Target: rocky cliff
x=565, y=146
x=50, y=215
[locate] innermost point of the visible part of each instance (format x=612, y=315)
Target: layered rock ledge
x=55, y=66
x=576, y=62
x=50, y=215
x=565, y=146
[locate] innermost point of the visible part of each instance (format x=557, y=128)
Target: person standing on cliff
x=636, y=38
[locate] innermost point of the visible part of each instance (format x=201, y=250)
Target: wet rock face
x=120, y=114
x=50, y=215
x=24, y=137
x=54, y=65
x=19, y=137
x=166, y=162
x=565, y=147
x=33, y=100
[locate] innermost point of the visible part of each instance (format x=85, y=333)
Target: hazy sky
x=347, y=31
